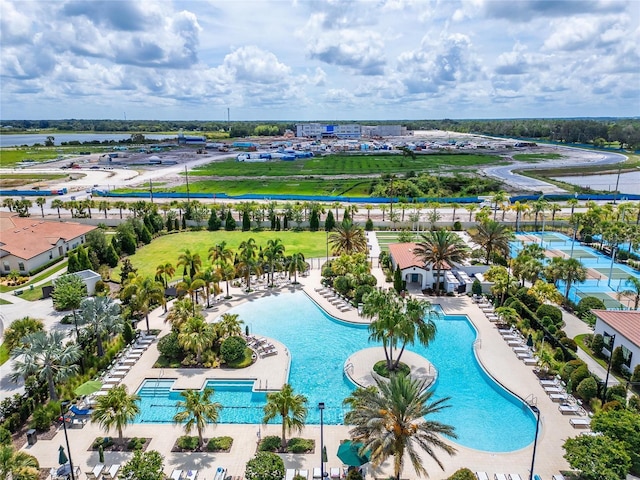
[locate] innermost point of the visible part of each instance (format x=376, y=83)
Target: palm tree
x=190, y=287
x=101, y=315
x=57, y=204
x=181, y=311
x=18, y=465
x=191, y=261
x=520, y=209
x=196, y=335
x=348, y=238
x=633, y=291
x=103, y=206
x=41, y=202
x=493, y=236
x=498, y=199
x=220, y=254
x=296, y=264
x=197, y=410
x=229, y=325
x=572, y=270
x=116, y=410
x=210, y=279
x=539, y=207
x=227, y=273
x=44, y=355
x=120, y=205
x=390, y=419
x=164, y=273
x=143, y=293
x=274, y=253
x=439, y=248
x=248, y=260
x=290, y=407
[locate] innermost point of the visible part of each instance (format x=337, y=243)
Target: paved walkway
x=492, y=351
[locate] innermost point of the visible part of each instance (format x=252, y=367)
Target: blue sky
x=319, y=59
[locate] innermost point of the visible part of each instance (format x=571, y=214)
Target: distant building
x=319, y=130
x=625, y=325
x=191, y=140
x=384, y=131
x=27, y=243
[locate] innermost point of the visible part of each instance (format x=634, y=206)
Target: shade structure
x=87, y=388
x=348, y=453
x=62, y=457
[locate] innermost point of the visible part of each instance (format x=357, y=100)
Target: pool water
x=485, y=416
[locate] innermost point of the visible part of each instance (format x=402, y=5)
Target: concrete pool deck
x=492, y=351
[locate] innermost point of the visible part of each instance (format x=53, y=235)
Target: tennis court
x=608, y=300
x=616, y=273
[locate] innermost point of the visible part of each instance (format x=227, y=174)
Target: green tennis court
x=616, y=273
x=578, y=253
x=550, y=237
x=609, y=302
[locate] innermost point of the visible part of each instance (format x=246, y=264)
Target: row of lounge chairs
x=555, y=388
x=334, y=473
x=184, y=475
x=261, y=346
x=498, y=476
x=103, y=472
x=518, y=344
x=335, y=299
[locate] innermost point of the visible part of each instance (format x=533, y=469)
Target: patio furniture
x=176, y=475
x=191, y=475
x=482, y=476
x=580, y=422
x=112, y=472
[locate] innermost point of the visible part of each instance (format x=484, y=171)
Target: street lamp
x=606, y=380
x=321, y=408
x=66, y=437
x=535, y=410
x=615, y=193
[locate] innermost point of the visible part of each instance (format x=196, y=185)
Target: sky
x=326, y=60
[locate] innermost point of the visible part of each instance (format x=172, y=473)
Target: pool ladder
x=531, y=400
x=348, y=368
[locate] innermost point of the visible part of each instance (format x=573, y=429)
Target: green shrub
x=169, y=347
x=381, y=369
x=104, y=441
x=612, y=405
x=5, y=436
x=586, y=304
x=217, y=444
x=569, y=343
x=300, y=445
x=578, y=375
x=136, y=444
x=354, y=474
x=554, y=313
x=530, y=301
x=463, y=474
x=457, y=226
x=636, y=374
x=232, y=349
x=569, y=367
x=476, y=287
x=587, y=389
x=264, y=466
x=617, y=359
x=617, y=392
x=41, y=419
x=552, y=329
x=270, y=443
x=187, y=442
x=368, y=226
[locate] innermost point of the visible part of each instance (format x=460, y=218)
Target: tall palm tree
x=290, y=407
x=116, y=410
x=390, y=419
x=572, y=270
x=41, y=202
x=190, y=286
x=197, y=335
x=553, y=270
x=348, y=238
x=190, y=261
x=210, y=279
x=181, y=311
x=493, y=236
x=196, y=410
x=520, y=209
x=220, y=254
x=470, y=207
x=120, y=205
x=498, y=199
x=57, y=204
x=101, y=315
x=18, y=465
x=248, y=260
x=296, y=264
x=633, y=291
x=274, y=254
x=229, y=325
x=439, y=248
x=165, y=272
x=227, y=273
x=103, y=206
x=44, y=355
x=540, y=206
x=143, y=292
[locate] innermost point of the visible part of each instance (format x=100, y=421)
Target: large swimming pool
x=485, y=416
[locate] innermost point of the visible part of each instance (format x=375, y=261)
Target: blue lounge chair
x=77, y=411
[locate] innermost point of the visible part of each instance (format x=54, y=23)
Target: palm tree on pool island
x=390, y=418
x=196, y=409
x=291, y=407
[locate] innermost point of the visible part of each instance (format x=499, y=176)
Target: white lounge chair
x=95, y=472
x=559, y=397
x=549, y=383
x=317, y=474
x=482, y=476
x=289, y=474
x=303, y=473
x=334, y=473
x=500, y=476
x=530, y=361
x=176, y=475
x=514, y=476
x=580, y=422
x=112, y=472
x=557, y=477
x=569, y=409
x=550, y=390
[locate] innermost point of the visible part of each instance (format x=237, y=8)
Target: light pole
x=535, y=410
x=321, y=408
x=606, y=380
x=66, y=437
x=615, y=193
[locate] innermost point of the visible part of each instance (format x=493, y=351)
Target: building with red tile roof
x=625, y=326
x=415, y=271
x=27, y=243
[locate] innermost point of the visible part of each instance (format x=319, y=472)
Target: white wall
x=602, y=327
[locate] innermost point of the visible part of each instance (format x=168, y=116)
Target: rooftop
x=626, y=322
x=404, y=257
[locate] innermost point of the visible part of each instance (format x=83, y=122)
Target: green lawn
x=4, y=302
x=41, y=276
x=12, y=180
x=528, y=157
x=4, y=354
x=346, y=165
x=168, y=247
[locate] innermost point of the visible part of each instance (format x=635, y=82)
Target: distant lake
x=628, y=181
x=16, y=140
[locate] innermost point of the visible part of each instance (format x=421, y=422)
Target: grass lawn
x=41, y=276
x=36, y=293
x=346, y=165
x=168, y=247
x=12, y=180
x=527, y=157
x=4, y=354
x=10, y=156
x=4, y=302
x=601, y=361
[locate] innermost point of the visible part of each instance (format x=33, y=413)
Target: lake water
x=629, y=182
x=30, y=139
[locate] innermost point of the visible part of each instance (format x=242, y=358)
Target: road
x=572, y=157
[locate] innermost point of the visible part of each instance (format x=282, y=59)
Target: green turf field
x=167, y=248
